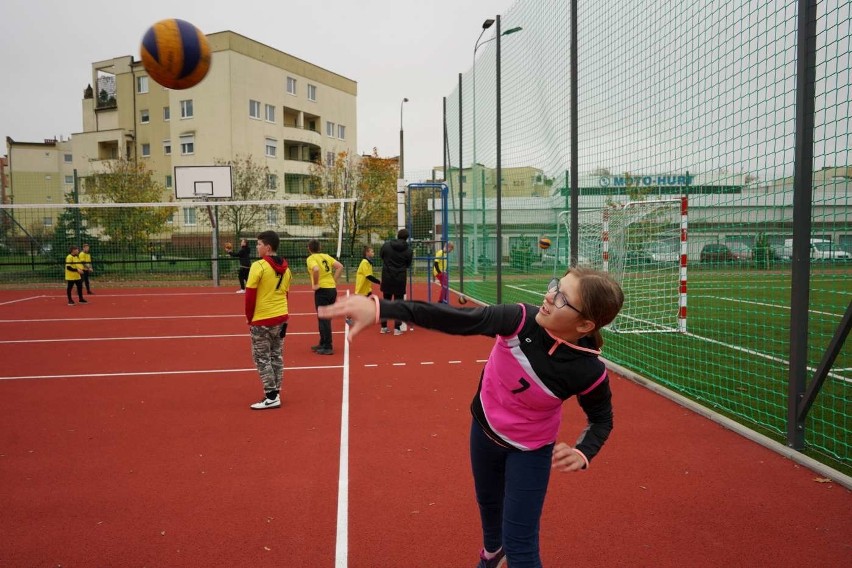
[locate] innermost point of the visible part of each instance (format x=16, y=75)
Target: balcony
x=302, y=135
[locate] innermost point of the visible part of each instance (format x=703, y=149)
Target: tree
x=250, y=182
x=128, y=228
x=372, y=181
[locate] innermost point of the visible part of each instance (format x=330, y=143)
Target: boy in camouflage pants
x=267, y=313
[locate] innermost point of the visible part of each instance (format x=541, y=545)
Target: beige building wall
x=126, y=115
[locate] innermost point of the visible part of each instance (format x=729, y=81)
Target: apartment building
x=284, y=112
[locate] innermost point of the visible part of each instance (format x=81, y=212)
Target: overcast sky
x=391, y=48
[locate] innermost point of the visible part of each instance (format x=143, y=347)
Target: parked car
x=820, y=249
x=716, y=252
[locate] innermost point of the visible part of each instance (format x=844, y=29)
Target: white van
x=821, y=249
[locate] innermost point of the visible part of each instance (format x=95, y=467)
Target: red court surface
x=126, y=440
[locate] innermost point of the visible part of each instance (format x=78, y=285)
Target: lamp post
x=476, y=249
x=401, y=142
x=485, y=25
x=498, y=222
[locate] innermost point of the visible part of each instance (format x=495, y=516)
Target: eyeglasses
x=559, y=299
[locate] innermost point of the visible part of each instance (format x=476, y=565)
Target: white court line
x=341, y=548
x=136, y=318
x=751, y=302
x=143, y=338
x=22, y=300
x=151, y=373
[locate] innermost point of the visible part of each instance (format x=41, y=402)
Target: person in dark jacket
x=244, y=254
x=542, y=356
x=396, y=258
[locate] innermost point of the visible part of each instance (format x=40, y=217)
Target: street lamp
x=498, y=222
x=485, y=25
x=476, y=249
x=401, y=142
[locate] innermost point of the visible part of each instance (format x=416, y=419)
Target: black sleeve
x=598, y=408
x=437, y=267
x=70, y=268
x=373, y=279
x=502, y=319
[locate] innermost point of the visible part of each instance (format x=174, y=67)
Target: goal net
x=642, y=244
x=147, y=243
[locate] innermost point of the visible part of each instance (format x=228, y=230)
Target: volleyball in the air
x=544, y=243
x=175, y=54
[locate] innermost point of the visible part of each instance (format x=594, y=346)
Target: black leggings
x=242, y=275
x=69, y=284
x=395, y=295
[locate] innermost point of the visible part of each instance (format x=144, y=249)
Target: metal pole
x=499, y=219
x=460, y=230
x=401, y=142
x=575, y=199
x=461, y=147
x=802, y=193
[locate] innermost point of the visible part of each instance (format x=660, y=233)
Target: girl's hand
x=565, y=458
x=361, y=310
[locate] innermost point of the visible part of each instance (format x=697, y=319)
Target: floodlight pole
x=401, y=142
x=485, y=25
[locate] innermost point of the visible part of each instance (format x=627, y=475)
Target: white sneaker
x=267, y=403
x=385, y=330
x=241, y=291
x=397, y=332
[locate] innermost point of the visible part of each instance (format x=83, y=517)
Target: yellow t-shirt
x=86, y=259
x=325, y=262
x=271, y=301
x=441, y=260
x=74, y=262
x=362, y=285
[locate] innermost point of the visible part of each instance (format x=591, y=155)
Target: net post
x=684, y=217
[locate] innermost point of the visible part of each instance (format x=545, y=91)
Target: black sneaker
x=82, y=301
x=71, y=303
x=324, y=351
x=316, y=347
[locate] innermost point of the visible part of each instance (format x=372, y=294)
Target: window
x=188, y=216
x=144, y=117
x=47, y=221
x=187, y=144
x=168, y=181
x=312, y=92
x=329, y=159
x=271, y=182
x=167, y=147
x=69, y=180
x=68, y=158
x=271, y=217
x=271, y=147
x=167, y=114
x=291, y=85
x=146, y=150
x=254, y=109
x=341, y=132
x=186, y=109
x=329, y=128
x=270, y=113
x=141, y=84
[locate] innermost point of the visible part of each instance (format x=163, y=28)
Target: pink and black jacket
x=528, y=376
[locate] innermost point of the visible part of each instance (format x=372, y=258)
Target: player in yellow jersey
x=73, y=271
x=86, y=259
x=439, y=271
x=324, y=271
x=267, y=314
x=364, y=278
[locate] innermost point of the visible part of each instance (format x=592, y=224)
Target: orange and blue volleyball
x=175, y=54
x=544, y=243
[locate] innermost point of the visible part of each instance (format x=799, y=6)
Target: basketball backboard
x=194, y=182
